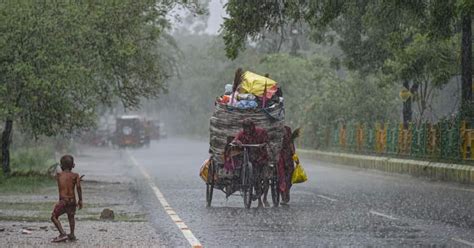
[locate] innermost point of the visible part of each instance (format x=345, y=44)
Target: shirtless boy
x=67, y=183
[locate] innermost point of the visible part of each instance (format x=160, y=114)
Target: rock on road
x=338, y=206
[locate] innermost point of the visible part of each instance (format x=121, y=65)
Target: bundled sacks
x=246, y=104
x=226, y=122
x=247, y=101
x=254, y=91
x=248, y=97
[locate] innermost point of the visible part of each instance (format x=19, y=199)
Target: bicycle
x=248, y=186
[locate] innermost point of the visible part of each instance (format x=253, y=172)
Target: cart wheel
x=210, y=185
x=247, y=184
x=274, y=190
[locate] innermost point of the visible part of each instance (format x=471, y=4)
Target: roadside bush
x=36, y=161
x=32, y=170
x=25, y=184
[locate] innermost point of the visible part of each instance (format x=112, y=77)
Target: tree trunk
x=407, y=110
x=407, y=105
x=6, y=140
x=466, y=67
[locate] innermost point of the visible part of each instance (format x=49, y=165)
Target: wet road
x=338, y=206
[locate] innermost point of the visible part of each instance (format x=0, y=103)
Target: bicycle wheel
x=247, y=184
x=274, y=188
x=210, y=184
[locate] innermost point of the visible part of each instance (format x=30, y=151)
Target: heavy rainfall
x=229, y=123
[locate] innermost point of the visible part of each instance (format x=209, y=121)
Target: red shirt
x=258, y=155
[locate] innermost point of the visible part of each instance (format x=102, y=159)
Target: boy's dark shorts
x=67, y=206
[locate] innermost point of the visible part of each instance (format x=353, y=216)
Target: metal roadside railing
x=449, y=140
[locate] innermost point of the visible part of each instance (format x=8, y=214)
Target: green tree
x=368, y=32
x=59, y=60
x=429, y=64
x=316, y=96
x=315, y=93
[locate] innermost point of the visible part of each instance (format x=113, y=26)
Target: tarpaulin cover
x=255, y=84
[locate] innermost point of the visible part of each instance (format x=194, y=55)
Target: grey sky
x=181, y=18
x=217, y=12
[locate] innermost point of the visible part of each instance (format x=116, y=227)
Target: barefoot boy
x=67, y=182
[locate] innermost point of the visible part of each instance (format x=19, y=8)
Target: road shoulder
x=433, y=170
x=25, y=217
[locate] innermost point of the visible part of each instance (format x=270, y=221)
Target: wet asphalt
x=338, y=206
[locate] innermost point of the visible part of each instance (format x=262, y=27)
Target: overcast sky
x=216, y=11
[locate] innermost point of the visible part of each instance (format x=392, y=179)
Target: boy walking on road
x=68, y=182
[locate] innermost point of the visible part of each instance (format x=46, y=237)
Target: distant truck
x=155, y=129
x=130, y=131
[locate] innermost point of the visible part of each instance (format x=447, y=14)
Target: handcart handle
x=248, y=145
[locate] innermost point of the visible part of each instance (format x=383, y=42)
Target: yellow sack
x=298, y=176
x=204, y=171
x=253, y=83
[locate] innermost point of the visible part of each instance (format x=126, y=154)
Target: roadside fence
x=448, y=140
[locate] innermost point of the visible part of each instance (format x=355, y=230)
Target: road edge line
x=185, y=230
x=327, y=198
x=382, y=215
x=463, y=241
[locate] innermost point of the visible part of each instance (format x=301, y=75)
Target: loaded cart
x=225, y=123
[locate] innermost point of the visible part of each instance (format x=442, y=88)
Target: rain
x=229, y=123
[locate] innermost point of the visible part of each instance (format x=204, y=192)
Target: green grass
x=25, y=218
x=30, y=171
x=80, y=217
x=25, y=184
x=43, y=212
x=36, y=160
x=37, y=206
x=44, y=206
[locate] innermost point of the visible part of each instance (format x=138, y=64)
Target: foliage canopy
x=59, y=60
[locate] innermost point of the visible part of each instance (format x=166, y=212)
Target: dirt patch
x=107, y=184
x=89, y=234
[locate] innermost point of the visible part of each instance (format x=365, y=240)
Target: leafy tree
x=368, y=32
x=59, y=60
x=316, y=96
x=315, y=93
x=429, y=64
x=203, y=72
